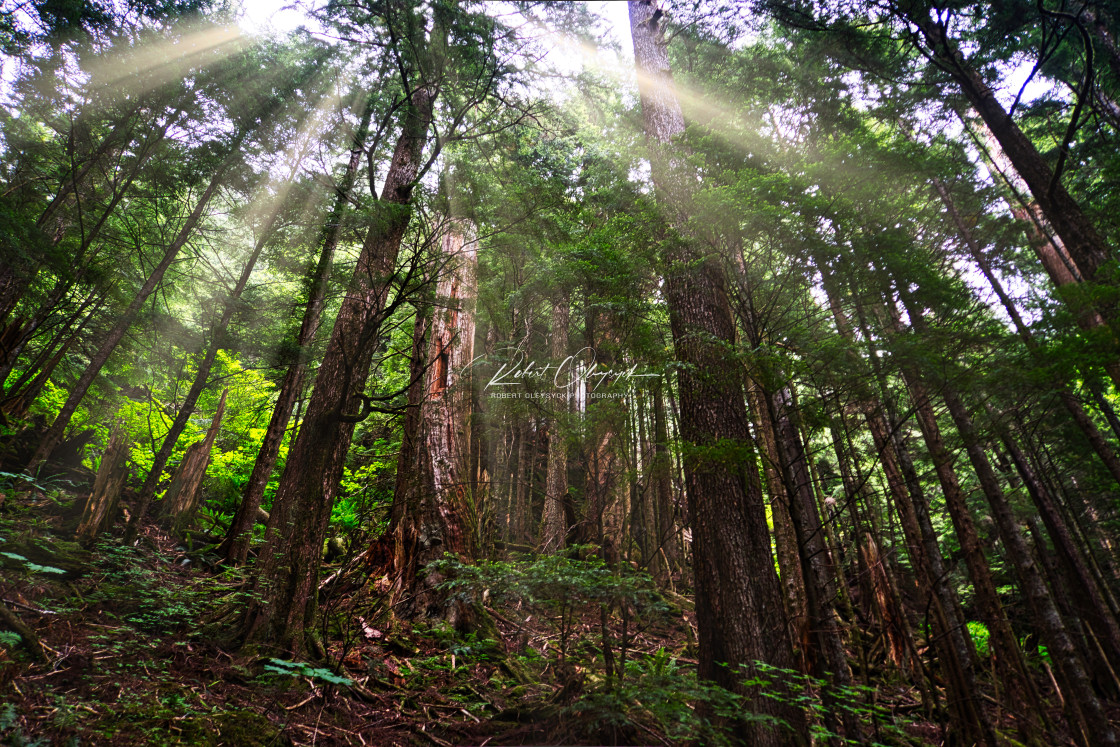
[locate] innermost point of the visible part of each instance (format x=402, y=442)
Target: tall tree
x=738, y=599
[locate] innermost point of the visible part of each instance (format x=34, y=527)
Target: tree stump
x=181, y=499
x=102, y=502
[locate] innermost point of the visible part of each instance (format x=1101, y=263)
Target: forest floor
x=137, y=651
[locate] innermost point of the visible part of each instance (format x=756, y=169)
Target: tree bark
x=288, y=580
x=434, y=512
x=738, y=598
x=1005, y=646
x=235, y=546
x=554, y=527
x=181, y=500
x=956, y=653
x=1077, y=413
x=102, y=502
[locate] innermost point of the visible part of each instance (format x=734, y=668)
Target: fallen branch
x=30, y=640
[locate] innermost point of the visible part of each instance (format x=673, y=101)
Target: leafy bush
x=660, y=695
x=557, y=585
x=980, y=636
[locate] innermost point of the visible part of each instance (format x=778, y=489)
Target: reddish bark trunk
x=434, y=512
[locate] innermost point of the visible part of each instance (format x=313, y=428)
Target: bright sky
x=262, y=16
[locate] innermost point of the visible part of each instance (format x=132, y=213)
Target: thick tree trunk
x=739, y=609
x=102, y=502
x=235, y=546
x=288, y=580
x=434, y=512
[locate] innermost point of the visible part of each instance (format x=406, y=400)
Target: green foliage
x=978, y=631
x=141, y=597
x=299, y=669
x=662, y=695
x=558, y=585
x=548, y=580
x=32, y=567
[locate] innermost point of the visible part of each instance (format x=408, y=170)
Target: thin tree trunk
x=1005, y=646
x=1080, y=238
x=662, y=468
x=201, y=379
x=45, y=358
x=956, y=652
x=1080, y=418
x=54, y=434
x=1090, y=715
x=1089, y=597
x=554, y=526
x=816, y=561
x=785, y=539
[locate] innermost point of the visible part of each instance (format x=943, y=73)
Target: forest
x=671, y=372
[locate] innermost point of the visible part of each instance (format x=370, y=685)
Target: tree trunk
x=181, y=500
x=817, y=563
x=47, y=359
x=662, y=468
x=957, y=654
x=738, y=598
x=434, y=512
x=288, y=580
x=785, y=539
x=235, y=546
x=1088, y=597
x=1089, y=715
x=1005, y=646
x=1080, y=418
x=102, y=502
x=554, y=527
